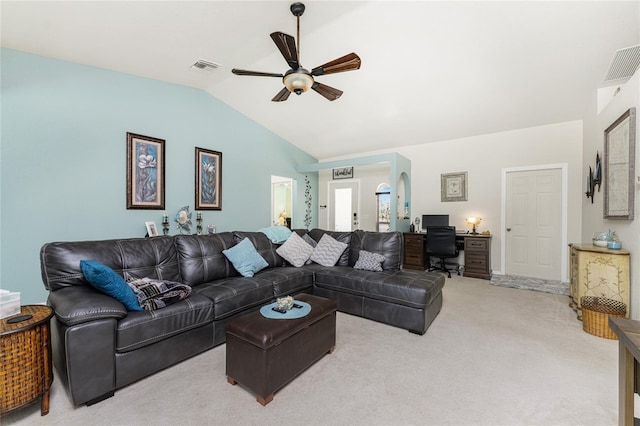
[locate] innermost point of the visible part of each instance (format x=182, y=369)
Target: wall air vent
x=625, y=62
x=201, y=64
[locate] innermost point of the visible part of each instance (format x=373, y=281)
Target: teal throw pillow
x=245, y=258
x=110, y=283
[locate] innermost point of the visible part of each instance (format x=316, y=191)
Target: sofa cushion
x=263, y=245
x=288, y=280
x=416, y=289
x=328, y=251
x=343, y=237
x=245, y=258
x=201, y=259
x=155, y=294
x=388, y=244
x=236, y=294
x=295, y=250
x=369, y=261
x=131, y=258
x=109, y=282
x=139, y=329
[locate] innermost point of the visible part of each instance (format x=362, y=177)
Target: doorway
x=344, y=205
x=534, y=222
x=282, y=200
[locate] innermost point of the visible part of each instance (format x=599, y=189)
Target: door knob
x=508, y=229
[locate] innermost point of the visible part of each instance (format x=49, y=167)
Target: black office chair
x=441, y=243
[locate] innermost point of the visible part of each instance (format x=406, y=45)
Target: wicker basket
x=596, y=312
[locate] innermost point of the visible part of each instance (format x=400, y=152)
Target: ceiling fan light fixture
x=298, y=82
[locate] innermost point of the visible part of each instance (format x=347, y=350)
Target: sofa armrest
x=76, y=305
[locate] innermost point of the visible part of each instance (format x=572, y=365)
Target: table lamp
x=473, y=221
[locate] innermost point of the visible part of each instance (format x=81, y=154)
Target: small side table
x=25, y=359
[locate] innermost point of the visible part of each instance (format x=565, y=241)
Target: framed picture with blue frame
x=145, y=172
x=208, y=179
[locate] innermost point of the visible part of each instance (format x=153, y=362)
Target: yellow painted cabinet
x=598, y=271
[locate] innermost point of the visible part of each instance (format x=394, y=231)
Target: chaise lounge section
x=99, y=346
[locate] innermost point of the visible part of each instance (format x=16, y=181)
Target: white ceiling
x=431, y=71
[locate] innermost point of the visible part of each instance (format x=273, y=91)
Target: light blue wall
x=63, y=150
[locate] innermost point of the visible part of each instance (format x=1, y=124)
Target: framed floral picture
x=208, y=179
x=145, y=172
x=453, y=186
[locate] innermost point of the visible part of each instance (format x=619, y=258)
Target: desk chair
x=441, y=243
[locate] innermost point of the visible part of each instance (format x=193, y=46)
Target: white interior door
x=534, y=223
x=344, y=199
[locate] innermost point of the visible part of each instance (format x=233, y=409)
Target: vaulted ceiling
x=431, y=71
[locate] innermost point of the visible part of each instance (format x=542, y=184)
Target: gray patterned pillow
x=295, y=250
x=328, y=251
x=369, y=261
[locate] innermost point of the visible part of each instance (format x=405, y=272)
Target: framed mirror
x=619, y=167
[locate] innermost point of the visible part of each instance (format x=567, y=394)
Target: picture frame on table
x=152, y=229
x=208, y=179
x=453, y=187
x=145, y=172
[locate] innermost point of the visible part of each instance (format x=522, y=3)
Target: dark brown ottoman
x=265, y=354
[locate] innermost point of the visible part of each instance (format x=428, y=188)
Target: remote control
x=282, y=311
x=295, y=305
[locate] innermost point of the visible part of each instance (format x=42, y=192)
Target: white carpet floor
x=494, y=356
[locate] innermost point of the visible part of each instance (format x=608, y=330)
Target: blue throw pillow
x=245, y=258
x=109, y=282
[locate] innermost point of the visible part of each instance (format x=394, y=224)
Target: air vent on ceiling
x=625, y=62
x=201, y=64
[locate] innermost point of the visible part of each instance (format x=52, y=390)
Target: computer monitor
x=434, y=220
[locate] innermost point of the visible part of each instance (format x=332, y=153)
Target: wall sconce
x=597, y=173
x=590, y=185
x=473, y=221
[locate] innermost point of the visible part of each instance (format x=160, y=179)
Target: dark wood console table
x=628, y=332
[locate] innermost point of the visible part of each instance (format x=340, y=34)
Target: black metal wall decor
x=590, y=185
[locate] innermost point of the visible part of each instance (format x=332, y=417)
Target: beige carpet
x=494, y=356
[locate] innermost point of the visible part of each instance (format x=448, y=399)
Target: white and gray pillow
x=295, y=250
x=368, y=261
x=328, y=251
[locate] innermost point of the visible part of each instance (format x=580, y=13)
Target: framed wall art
x=145, y=172
x=343, y=173
x=619, y=167
x=453, y=186
x=208, y=179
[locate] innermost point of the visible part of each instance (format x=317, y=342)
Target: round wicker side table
x=25, y=359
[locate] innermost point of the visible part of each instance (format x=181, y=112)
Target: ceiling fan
x=298, y=79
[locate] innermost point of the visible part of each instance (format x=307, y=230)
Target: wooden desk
x=628, y=332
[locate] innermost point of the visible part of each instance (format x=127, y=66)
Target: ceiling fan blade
x=282, y=95
x=348, y=62
x=327, y=91
x=287, y=46
x=255, y=73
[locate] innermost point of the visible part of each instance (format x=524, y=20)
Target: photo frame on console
x=453, y=186
x=152, y=229
x=145, y=172
x=208, y=179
